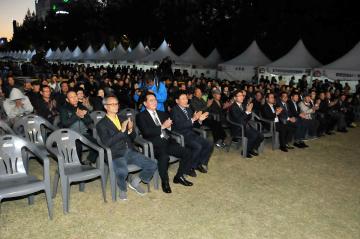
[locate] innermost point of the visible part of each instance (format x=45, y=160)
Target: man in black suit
x=183, y=122
x=241, y=116
x=301, y=127
x=117, y=133
x=154, y=126
x=279, y=115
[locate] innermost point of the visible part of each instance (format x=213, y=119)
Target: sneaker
x=137, y=189
x=218, y=145
x=123, y=195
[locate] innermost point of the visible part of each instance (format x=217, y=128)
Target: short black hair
x=147, y=94
x=268, y=95
x=294, y=93
x=180, y=93
x=37, y=82
x=63, y=82
x=282, y=93
x=237, y=92
x=44, y=86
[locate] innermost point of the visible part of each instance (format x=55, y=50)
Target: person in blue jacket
x=152, y=84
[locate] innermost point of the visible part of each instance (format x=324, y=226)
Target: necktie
x=157, y=122
x=295, y=106
x=285, y=106
x=185, y=112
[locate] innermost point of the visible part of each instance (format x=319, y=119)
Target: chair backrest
x=129, y=113
x=5, y=128
x=34, y=128
x=11, y=157
x=234, y=125
x=96, y=116
x=65, y=149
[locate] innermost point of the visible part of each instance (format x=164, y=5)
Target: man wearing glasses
x=117, y=133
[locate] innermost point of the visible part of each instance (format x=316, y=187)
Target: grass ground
x=308, y=193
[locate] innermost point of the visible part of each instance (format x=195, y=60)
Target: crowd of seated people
x=178, y=104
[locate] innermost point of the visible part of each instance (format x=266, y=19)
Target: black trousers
x=312, y=126
x=286, y=133
x=254, y=138
x=92, y=153
x=201, y=149
x=339, y=118
x=216, y=129
x=326, y=123
x=170, y=147
x=300, y=129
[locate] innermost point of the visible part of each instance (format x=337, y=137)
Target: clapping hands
x=199, y=115
x=203, y=116
x=167, y=124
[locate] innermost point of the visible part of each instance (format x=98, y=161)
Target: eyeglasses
x=113, y=104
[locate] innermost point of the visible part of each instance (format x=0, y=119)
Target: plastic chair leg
x=31, y=199
x=244, y=142
x=56, y=183
x=49, y=201
x=82, y=187
x=65, y=186
x=103, y=185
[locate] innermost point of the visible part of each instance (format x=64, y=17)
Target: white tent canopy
x=213, y=59
x=136, y=54
x=23, y=55
x=346, y=67
x=160, y=53
x=88, y=54
x=18, y=54
x=193, y=57
x=117, y=53
x=56, y=55
x=66, y=54
x=243, y=67
x=102, y=54
x=49, y=52
x=76, y=54
x=297, y=61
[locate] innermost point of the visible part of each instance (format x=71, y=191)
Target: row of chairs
x=40, y=139
x=258, y=123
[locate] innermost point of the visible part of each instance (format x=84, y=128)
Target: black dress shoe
x=166, y=187
x=298, y=145
x=192, y=173
x=289, y=146
x=201, y=169
x=182, y=181
x=247, y=156
x=284, y=149
x=304, y=145
x=253, y=153
x=343, y=130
